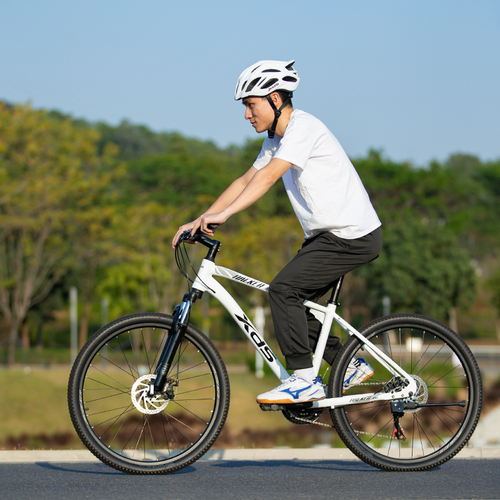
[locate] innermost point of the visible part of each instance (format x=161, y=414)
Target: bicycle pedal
x=271, y=407
x=281, y=407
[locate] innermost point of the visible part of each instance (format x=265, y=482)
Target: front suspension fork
x=180, y=322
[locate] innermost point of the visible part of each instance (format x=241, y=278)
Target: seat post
x=334, y=299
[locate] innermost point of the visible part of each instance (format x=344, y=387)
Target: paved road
x=252, y=479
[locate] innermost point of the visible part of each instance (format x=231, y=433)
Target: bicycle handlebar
x=202, y=238
x=198, y=236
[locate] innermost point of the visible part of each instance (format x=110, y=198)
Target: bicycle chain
x=313, y=422
x=330, y=426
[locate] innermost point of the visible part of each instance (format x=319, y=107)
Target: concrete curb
x=33, y=456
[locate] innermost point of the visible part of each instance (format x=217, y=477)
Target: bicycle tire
x=446, y=372
x=112, y=413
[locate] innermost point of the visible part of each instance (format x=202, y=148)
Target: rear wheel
x=119, y=421
x=436, y=422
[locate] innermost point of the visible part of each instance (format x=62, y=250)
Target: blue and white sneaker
x=294, y=390
x=357, y=372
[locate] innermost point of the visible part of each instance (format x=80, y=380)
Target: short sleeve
x=266, y=154
x=297, y=144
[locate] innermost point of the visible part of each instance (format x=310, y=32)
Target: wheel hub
x=145, y=402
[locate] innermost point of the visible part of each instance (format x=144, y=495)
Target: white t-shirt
x=323, y=186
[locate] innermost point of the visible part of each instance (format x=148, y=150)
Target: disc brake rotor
x=142, y=400
x=420, y=396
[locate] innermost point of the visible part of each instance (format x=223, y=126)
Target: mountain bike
x=149, y=393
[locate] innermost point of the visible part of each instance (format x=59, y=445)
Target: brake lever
x=188, y=237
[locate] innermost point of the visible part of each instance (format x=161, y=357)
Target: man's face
x=259, y=112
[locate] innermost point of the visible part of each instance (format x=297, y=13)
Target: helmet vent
x=252, y=84
x=269, y=83
x=264, y=77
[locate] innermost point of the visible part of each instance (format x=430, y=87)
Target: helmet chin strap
x=277, y=114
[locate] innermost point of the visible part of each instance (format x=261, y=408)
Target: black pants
x=318, y=264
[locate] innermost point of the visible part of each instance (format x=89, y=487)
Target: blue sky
x=419, y=80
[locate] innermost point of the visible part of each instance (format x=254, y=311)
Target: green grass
x=34, y=407
x=34, y=414
x=39, y=357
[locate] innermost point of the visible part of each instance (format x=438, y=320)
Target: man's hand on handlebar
x=207, y=224
x=186, y=228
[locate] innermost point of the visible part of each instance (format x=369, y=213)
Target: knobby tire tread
x=76, y=410
x=344, y=356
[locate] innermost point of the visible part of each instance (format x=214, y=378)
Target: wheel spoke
x=126, y=426
x=446, y=373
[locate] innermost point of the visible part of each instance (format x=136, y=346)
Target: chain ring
x=302, y=417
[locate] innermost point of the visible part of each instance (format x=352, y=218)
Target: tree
x=494, y=286
x=142, y=274
x=422, y=270
x=93, y=248
x=50, y=174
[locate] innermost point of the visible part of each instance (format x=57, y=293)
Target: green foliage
x=462, y=193
x=178, y=178
x=99, y=204
x=141, y=274
x=52, y=187
x=494, y=287
x=422, y=270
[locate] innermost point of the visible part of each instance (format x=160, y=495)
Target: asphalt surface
x=252, y=479
x=290, y=475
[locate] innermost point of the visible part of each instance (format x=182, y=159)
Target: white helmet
x=265, y=77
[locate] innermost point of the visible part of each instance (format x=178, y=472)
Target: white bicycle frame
x=205, y=282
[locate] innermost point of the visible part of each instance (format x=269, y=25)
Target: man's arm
x=258, y=186
x=222, y=201
x=232, y=192
x=242, y=193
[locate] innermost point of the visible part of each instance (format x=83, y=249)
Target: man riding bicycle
x=341, y=228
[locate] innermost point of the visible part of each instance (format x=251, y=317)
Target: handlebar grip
x=187, y=235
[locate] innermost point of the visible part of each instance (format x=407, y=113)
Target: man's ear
x=276, y=98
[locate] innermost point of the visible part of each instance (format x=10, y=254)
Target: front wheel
x=436, y=422
x=126, y=427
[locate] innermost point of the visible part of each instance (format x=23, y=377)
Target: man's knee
x=279, y=283
x=278, y=289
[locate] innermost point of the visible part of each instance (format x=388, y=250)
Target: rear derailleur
x=397, y=409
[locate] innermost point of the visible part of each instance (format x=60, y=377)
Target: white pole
x=260, y=323
x=104, y=311
x=386, y=339
x=104, y=321
x=386, y=303
x=73, y=317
